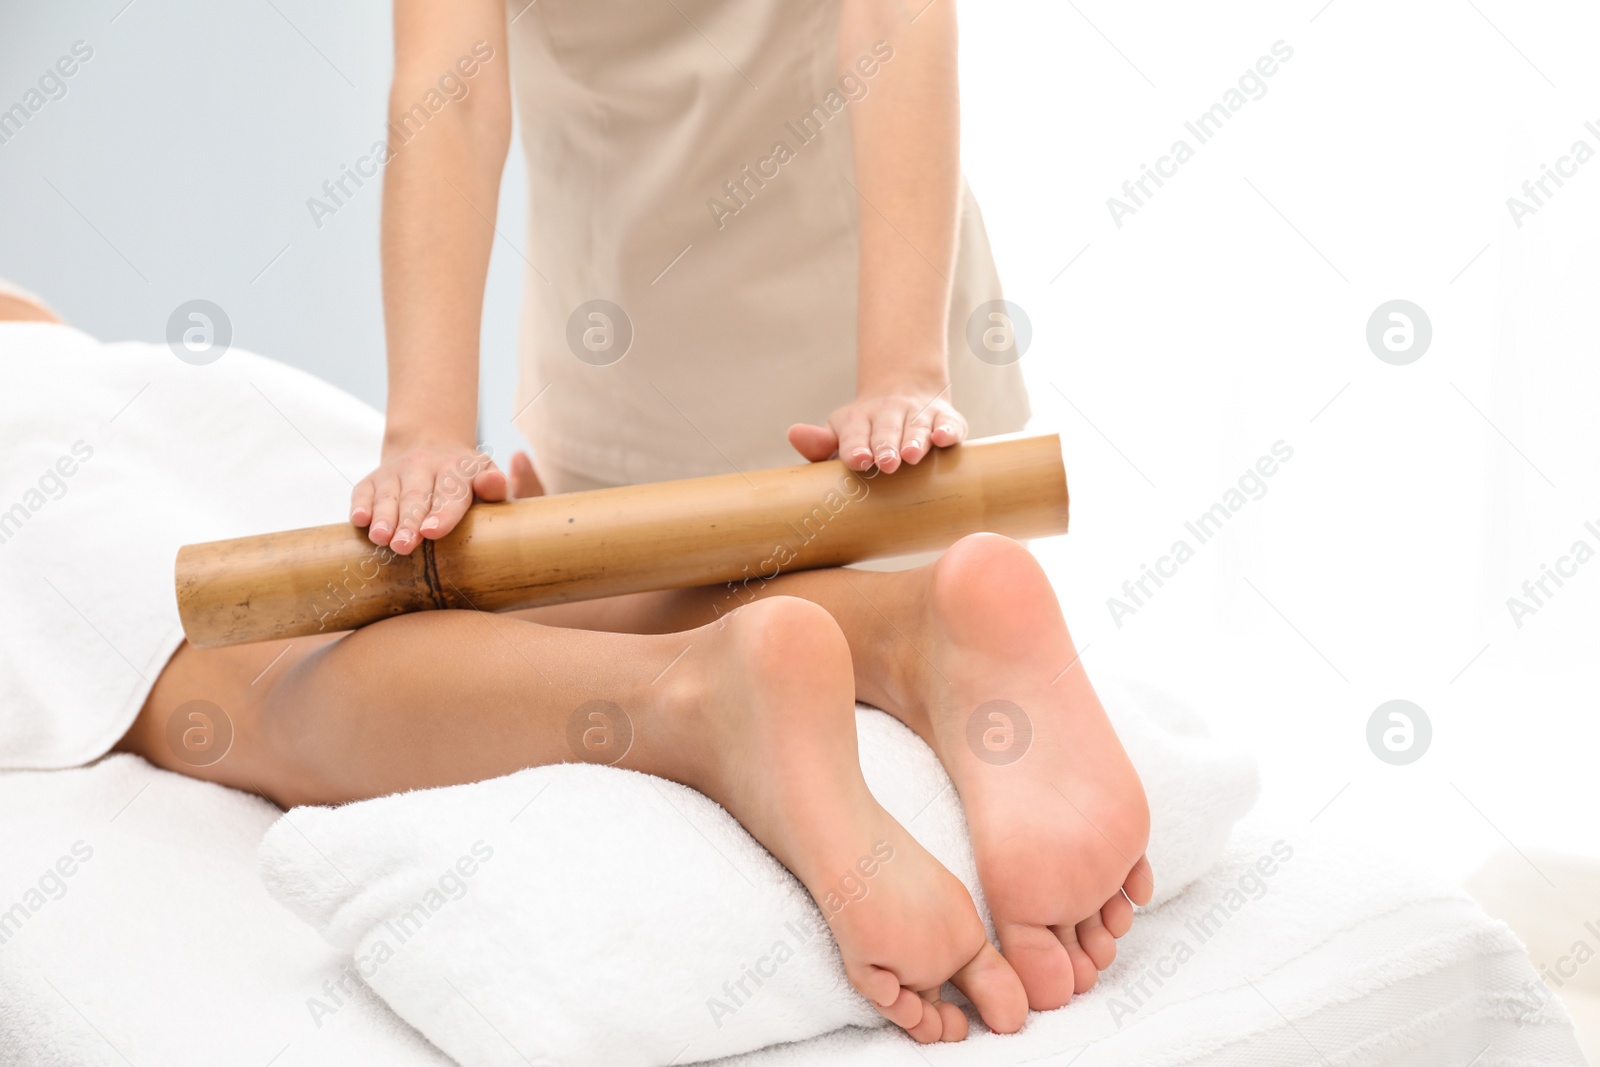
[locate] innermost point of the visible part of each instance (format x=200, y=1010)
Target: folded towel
x=584, y=914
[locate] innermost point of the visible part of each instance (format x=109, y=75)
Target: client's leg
x=973, y=654
x=759, y=718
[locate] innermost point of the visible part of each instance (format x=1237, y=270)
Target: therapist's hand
x=887, y=428
x=421, y=492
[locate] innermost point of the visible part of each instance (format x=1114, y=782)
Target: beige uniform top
x=689, y=166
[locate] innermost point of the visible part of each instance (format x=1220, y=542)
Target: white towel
x=582, y=914
x=111, y=457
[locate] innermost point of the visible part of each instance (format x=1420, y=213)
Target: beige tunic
x=689, y=164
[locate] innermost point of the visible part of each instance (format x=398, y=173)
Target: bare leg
x=760, y=719
x=1058, y=817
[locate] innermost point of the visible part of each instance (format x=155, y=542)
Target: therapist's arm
x=906, y=136
x=449, y=131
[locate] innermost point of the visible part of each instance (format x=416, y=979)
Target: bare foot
x=1058, y=817
x=776, y=697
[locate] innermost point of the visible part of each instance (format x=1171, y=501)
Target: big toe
x=1041, y=962
x=990, y=982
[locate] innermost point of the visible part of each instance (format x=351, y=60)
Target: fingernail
x=947, y=429
x=379, y=528
x=886, y=456
x=429, y=525
x=861, y=453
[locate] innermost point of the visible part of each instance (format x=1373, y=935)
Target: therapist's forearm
x=440, y=193
x=906, y=135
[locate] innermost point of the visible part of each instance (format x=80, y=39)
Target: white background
x=1230, y=313
x=1227, y=314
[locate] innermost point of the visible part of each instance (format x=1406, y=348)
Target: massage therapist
x=748, y=235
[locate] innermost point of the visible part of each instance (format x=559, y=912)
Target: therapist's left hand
x=886, y=428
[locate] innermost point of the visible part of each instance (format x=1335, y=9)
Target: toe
x=952, y=1021
x=1140, y=885
x=883, y=989
x=1097, y=941
x=994, y=989
x=1084, y=972
x=1041, y=962
x=1117, y=915
x=913, y=1015
x=927, y=1029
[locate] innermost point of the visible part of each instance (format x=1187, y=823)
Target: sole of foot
x=1058, y=816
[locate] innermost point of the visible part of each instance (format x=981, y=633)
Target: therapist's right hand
x=421, y=491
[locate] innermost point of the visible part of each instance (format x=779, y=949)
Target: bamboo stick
x=733, y=528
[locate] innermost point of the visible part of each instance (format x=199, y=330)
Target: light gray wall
x=178, y=165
